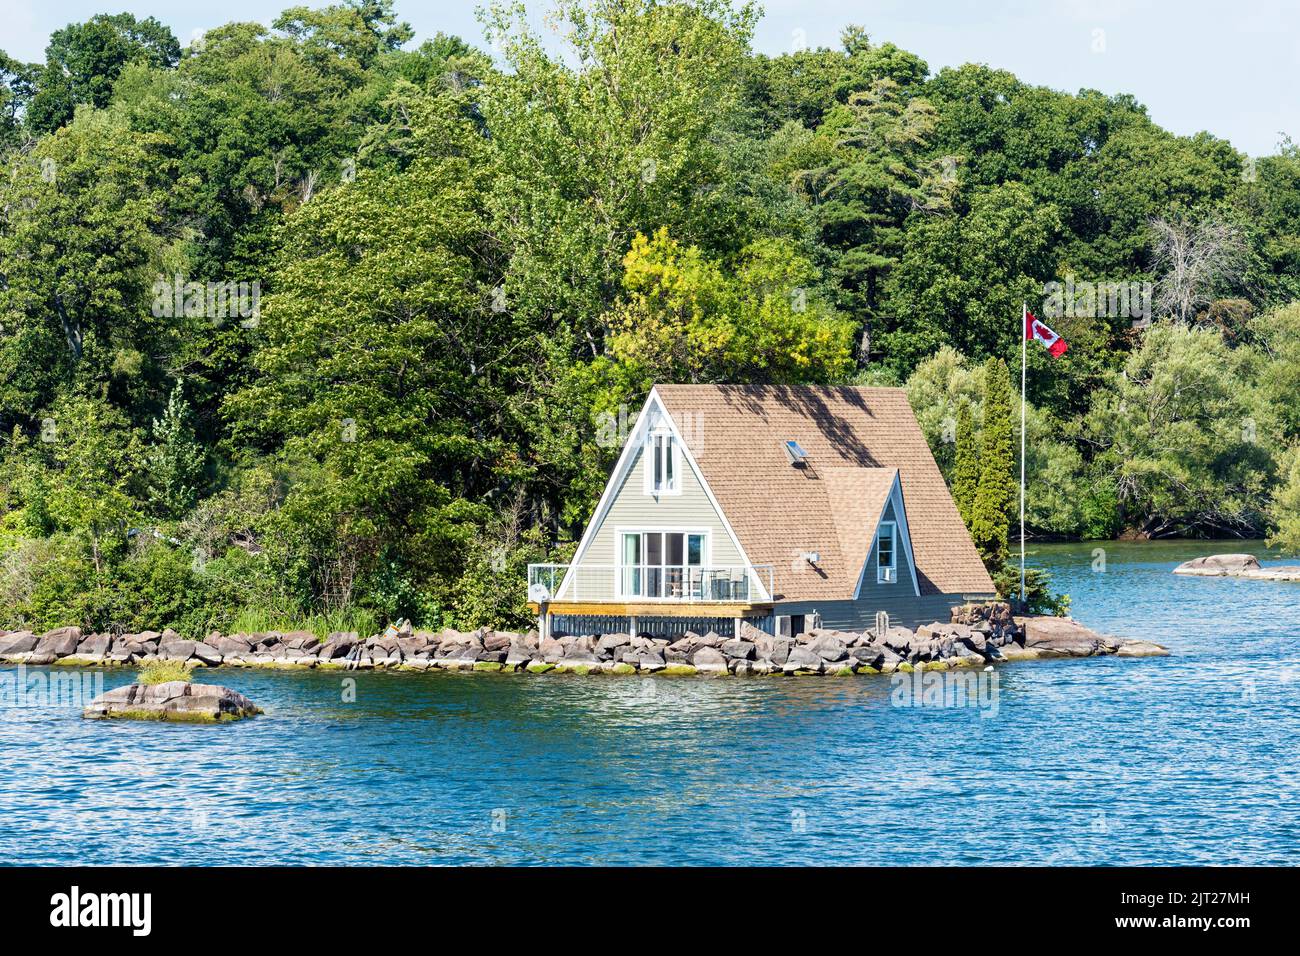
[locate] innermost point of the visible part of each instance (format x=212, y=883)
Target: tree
x=685, y=319
x=1194, y=260
x=962, y=279
x=17, y=84
x=877, y=172
x=175, y=459
x=1182, y=437
x=84, y=60
x=995, y=494
x=385, y=374
x=81, y=240
x=1284, y=510
x=966, y=473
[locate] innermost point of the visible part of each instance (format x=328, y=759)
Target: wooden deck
x=653, y=609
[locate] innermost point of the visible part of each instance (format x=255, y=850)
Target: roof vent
x=798, y=457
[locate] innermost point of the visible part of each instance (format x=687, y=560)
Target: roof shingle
x=855, y=437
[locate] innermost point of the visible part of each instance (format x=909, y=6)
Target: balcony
x=668, y=585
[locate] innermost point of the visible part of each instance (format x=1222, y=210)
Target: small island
x=1237, y=566
x=156, y=697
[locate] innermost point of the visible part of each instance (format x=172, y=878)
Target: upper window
x=886, y=554
x=663, y=466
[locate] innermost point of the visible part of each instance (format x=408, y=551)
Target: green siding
x=633, y=509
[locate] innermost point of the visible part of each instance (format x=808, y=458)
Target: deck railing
x=671, y=583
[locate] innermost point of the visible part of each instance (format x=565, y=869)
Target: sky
x=1228, y=68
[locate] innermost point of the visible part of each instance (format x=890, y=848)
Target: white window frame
x=672, y=463
x=892, y=567
x=706, y=554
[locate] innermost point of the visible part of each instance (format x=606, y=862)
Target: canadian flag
x=1035, y=329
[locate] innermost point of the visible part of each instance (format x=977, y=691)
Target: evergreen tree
x=995, y=494
x=175, y=460
x=966, y=472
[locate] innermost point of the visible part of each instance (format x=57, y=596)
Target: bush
x=162, y=672
x=1039, y=597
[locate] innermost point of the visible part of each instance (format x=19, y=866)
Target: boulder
x=177, y=650
x=300, y=639
x=1219, y=565
x=609, y=643
x=60, y=642
x=872, y=655
x=207, y=654
x=552, y=650
x=803, y=658
x=174, y=700
x=773, y=649
x=494, y=641
x=234, y=644
x=650, y=662
x=828, y=647
x=96, y=645
x=711, y=639
x=19, y=642
x=1140, y=649
x=738, y=649
x=1060, y=637
x=709, y=659
x=577, y=653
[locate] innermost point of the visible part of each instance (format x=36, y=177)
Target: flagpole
x=1024, y=319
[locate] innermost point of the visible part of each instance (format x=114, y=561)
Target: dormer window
x=663, y=465
x=886, y=554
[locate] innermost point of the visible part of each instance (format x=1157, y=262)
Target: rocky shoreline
x=976, y=636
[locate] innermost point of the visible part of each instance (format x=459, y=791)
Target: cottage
x=777, y=507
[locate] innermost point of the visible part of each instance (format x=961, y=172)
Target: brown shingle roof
x=855, y=437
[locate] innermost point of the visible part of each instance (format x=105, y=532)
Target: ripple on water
x=1186, y=759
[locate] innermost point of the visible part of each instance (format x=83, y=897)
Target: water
x=1186, y=759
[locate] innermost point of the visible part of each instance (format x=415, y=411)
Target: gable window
x=886, y=553
x=662, y=465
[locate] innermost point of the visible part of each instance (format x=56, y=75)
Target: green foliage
x=175, y=460
x=996, y=491
x=1284, y=514
x=686, y=320
x=1184, y=443
x=84, y=60
x=471, y=276
x=163, y=672
x=1038, y=595
x=966, y=471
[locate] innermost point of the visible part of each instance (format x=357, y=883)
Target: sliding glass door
x=661, y=564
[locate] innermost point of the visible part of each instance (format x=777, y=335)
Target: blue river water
x=1194, y=758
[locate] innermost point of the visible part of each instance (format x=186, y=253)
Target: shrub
x=162, y=672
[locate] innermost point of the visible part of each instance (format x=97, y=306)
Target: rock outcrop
x=174, y=700
x=1237, y=566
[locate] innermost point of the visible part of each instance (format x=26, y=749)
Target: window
x=886, y=554
x=662, y=466
x=662, y=564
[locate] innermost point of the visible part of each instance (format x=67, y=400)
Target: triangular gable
x=894, y=497
x=653, y=414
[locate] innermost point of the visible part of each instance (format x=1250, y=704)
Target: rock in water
x=1219, y=565
x=174, y=700
x=1238, y=566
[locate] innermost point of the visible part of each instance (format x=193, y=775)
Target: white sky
x=1228, y=68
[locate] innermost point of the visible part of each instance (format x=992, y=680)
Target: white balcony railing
x=672, y=583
